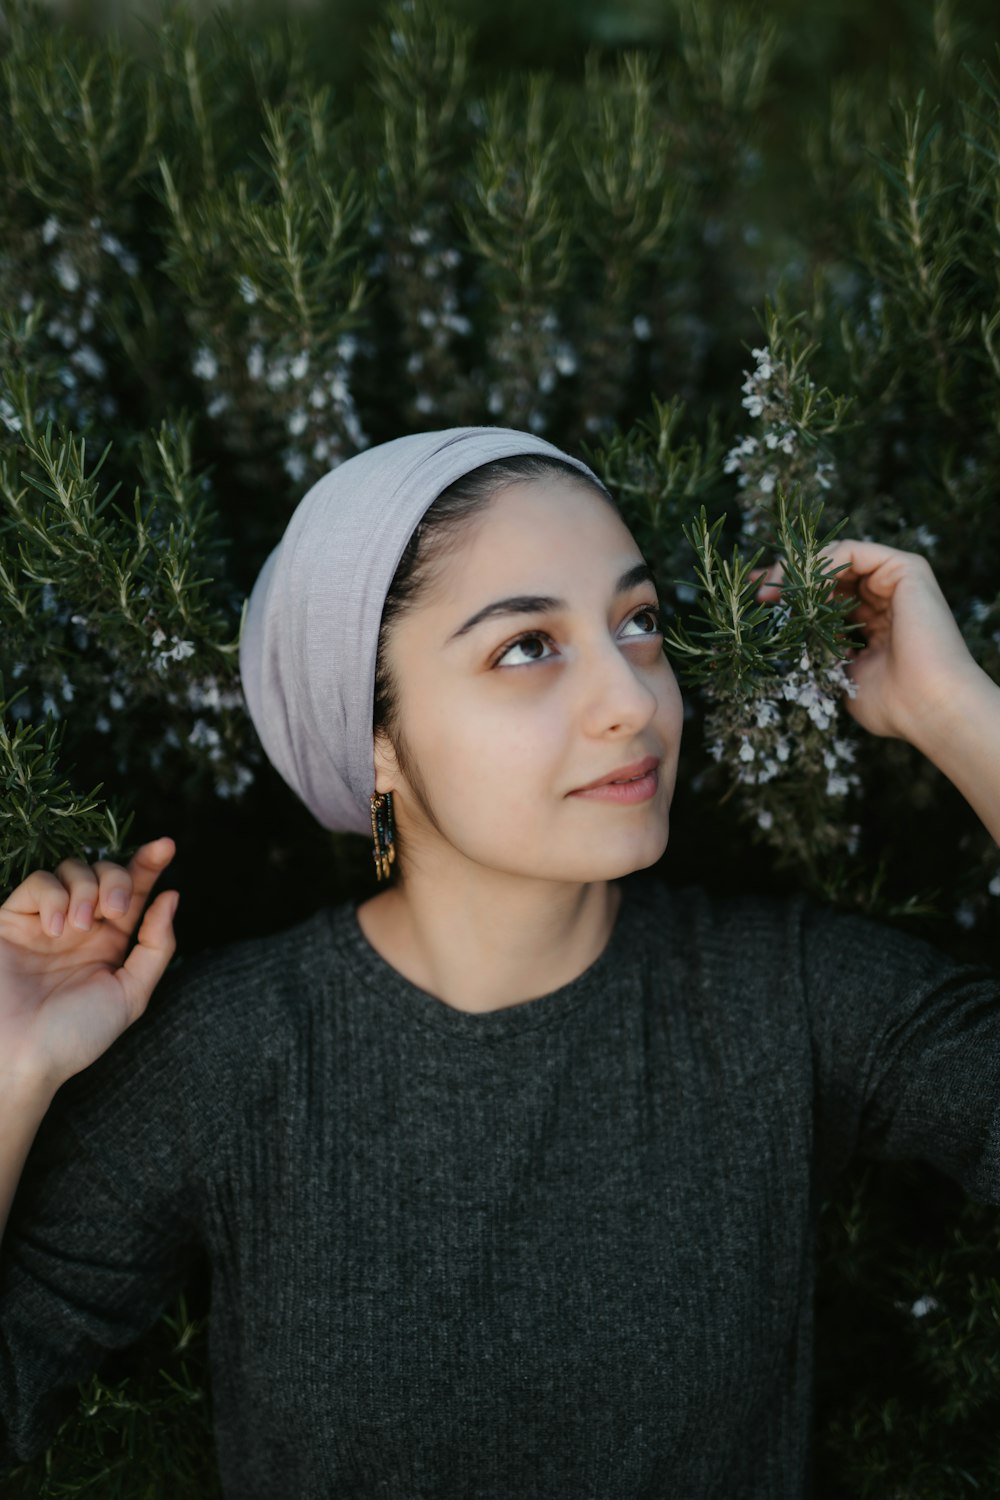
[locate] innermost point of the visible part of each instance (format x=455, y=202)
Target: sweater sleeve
x=104, y=1226
x=906, y=1049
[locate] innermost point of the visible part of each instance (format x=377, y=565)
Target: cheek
x=497, y=760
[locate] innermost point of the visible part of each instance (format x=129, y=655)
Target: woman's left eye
x=536, y=635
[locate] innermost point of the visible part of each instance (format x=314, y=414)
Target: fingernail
x=117, y=901
x=84, y=913
x=57, y=923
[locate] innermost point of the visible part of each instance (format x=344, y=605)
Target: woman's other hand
x=67, y=990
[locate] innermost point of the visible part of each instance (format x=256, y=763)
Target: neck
x=481, y=950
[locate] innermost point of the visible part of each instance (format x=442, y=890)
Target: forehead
x=534, y=525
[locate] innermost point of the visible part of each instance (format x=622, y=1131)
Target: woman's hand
x=915, y=660
x=67, y=990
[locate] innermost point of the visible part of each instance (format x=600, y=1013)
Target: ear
x=386, y=765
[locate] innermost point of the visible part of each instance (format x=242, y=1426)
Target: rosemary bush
x=751, y=279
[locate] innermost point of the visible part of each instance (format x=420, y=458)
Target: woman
x=508, y=1174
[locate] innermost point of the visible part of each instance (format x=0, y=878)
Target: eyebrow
x=539, y=604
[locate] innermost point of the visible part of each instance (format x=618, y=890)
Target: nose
x=618, y=690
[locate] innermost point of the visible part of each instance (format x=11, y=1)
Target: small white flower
x=255, y=362
x=204, y=695
x=277, y=375
x=641, y=327
x=247, y=290
x=767, y=481
x=218, y=405
x=50, y=229
x=994, y=886
x=205, y=365
x=203, y=734
x=923, y=1306
x=297, y=421
x=295, y=465
x=765, y=819
x=457, y=323
x=566, y=360
x=116, y=699
x=67, y=274
x=338, y=389
x=244, y=777
x=837, y=786
x=747, y=751
x=300, y=365
x=8, y=416
x=546, y=380
x=754, y=405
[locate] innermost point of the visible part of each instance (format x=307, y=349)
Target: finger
x=155, y=947
x=114, y=899
x=81, y=883
x=41, y=892
x=873, y=567
x=145, y=868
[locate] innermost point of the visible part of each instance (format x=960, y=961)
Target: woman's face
x=503, y=719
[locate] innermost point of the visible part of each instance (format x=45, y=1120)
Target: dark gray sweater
x=563, y=1249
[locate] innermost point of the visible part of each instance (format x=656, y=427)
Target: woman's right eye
x=532, y=635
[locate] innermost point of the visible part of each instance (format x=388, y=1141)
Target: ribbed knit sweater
x=561, y=1249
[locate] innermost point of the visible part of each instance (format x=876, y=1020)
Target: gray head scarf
x=311, y=624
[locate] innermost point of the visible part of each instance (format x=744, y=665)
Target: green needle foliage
x=745, y=262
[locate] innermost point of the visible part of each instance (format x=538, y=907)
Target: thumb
x=155, y=947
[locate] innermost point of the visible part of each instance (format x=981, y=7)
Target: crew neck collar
x=398, y=993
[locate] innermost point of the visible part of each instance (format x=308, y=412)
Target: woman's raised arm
x=67, y=989
x=916, y=679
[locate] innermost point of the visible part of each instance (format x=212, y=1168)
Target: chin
x=629, y=863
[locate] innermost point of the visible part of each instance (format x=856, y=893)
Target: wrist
x=27, y=1090
x=945, y=717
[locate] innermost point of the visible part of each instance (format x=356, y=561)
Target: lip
x=637, y=768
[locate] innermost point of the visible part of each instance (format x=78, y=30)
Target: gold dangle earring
x=383, y=833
